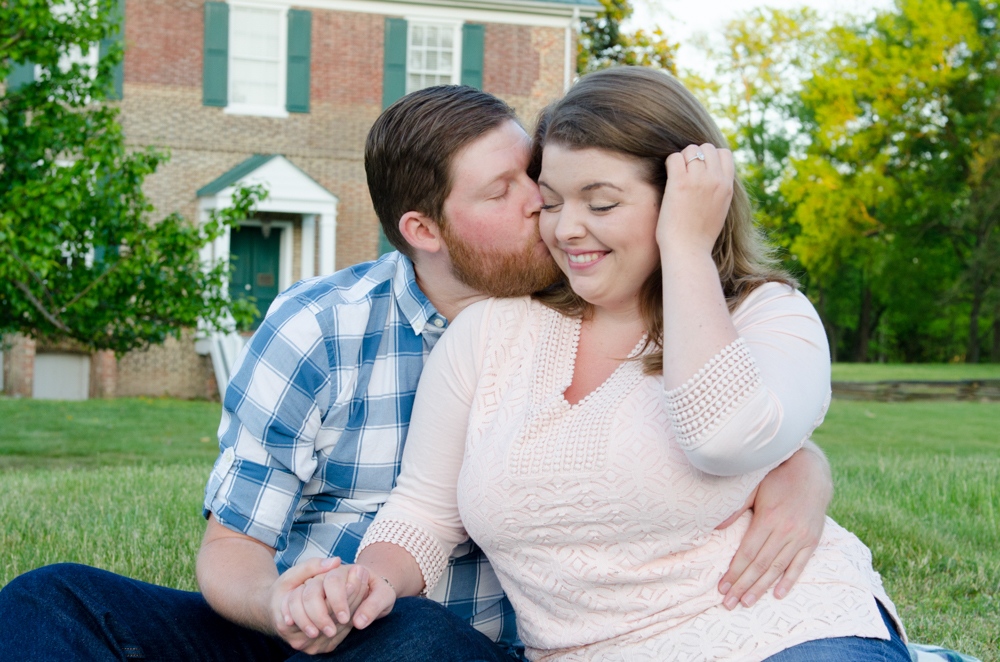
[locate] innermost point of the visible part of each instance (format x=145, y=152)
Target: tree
x=601, y=42
x=80, y=256
x=886, y=176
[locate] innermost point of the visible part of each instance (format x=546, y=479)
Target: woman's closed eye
x=604, y=208
x=550, y=207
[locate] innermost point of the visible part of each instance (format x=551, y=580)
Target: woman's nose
x=570, y=225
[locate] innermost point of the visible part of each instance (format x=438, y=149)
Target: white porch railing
x=224, y=349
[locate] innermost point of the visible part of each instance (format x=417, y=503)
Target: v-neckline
x=570, y=370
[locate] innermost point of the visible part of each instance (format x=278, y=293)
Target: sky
x=682, y=19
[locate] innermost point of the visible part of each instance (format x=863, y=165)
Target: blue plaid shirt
x=314, y=422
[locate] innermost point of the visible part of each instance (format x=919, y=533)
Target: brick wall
x=18, y=365
x=524, y=66
x=173, y=369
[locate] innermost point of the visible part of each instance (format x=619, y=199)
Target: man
x=315, y=419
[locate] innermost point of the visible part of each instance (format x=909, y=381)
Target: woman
x=598, y=433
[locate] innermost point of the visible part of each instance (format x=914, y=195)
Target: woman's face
x=598, y=219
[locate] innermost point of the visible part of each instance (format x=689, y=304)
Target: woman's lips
x=584, y=259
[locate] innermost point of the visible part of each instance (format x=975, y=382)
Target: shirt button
x=439, y=323
x=229, y=455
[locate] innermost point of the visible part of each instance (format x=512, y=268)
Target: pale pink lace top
x=599, y=518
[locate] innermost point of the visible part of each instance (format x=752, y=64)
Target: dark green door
x=254, y=258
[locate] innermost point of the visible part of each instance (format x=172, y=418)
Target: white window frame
x=456, y=62
x=278, y=110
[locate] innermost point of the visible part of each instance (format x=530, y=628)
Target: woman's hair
x=648, y=115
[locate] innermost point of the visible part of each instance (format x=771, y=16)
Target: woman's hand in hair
x=697, y=198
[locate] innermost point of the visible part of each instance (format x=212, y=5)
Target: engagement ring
x=697, y=157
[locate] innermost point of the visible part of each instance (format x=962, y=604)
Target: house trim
x=542, y=14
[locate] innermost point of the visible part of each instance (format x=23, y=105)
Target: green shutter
x=383, y=244
x=472, y=54
x=394, y=69
x=118, y=35
x=215, y=74
x=299, y=46
x=21, y=75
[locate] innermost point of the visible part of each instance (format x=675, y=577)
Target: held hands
x=316, y=608
x=697, y=197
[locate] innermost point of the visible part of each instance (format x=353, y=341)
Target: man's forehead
x=501, y=149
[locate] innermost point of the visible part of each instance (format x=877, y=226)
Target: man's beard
x=497, y=273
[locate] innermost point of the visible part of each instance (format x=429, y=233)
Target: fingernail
x=730, y=602
x=343, y=617
x=361, y=620
x=725, y=588
x=289, y=620
x=780, y=592
x=330, y=631
x=351, y=588
x=328, y=563
x=749, y=599
x=312, y=633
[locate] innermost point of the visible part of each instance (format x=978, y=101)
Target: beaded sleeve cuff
x=709, y=398
x=422, y=546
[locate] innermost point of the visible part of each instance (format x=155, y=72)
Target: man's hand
x=789, y=512
x=301, y=612
x=326, y=607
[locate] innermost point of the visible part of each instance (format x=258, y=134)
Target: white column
x=328, y=242
x=308, y=246
x=570, y=68
x=286, y=277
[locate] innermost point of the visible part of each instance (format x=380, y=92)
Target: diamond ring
x=700, y=156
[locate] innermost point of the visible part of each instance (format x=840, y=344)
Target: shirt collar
x=413, y=303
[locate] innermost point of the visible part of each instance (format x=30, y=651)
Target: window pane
x=431, y=58
x=416, y=59
x=255, y=33
x=253, y=82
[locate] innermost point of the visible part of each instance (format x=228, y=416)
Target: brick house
x=282, y=93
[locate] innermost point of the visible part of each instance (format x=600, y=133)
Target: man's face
x=491, y=217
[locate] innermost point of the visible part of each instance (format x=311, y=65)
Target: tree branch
x=38, y=305
x=18, y=36
x=32, y=273
x=92, y=283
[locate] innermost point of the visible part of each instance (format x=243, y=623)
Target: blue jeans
x=75, y=612
x=849, y=649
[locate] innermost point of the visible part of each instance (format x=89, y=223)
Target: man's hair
x=411, y=146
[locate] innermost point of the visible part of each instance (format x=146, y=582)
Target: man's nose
x=533, y=204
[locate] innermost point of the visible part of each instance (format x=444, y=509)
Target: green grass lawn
x=926, y=372
x=118, y=484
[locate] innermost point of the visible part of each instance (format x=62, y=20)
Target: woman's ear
x=421, y=232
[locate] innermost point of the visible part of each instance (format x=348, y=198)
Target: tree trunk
x=972, y=350
x=831, y=329
x=864, y=326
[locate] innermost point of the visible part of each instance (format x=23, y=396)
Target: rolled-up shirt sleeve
x=757, y=401
x=274, y=406
x=421, y=514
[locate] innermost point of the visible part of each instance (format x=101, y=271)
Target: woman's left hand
x=697, y=197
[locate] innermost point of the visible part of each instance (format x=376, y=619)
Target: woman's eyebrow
x=596, y=185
